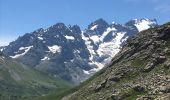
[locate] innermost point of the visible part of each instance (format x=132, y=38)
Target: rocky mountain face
x=73, y=54
x=59, y=50
x=20, y=82
x=140, y=71
x=104, y=41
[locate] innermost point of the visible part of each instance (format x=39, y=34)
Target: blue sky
x=18, y=17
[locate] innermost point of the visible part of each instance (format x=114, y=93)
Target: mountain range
x=73, y=54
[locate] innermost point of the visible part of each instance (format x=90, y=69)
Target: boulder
x=101, y=85
x=167, y=50
x=148, y=67
x=167, y=64
x=145, y=98
x=165, y=89
x=138, y=88
x=115, y=78
x=158, y=58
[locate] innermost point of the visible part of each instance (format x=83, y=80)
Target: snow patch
x=26, y=49
x=143, y=24
x=69, y=37
x=110, y=49
x=107, y=32
x=45, y=58
x=1, y=49
x=95, y=38
x=54, y=48
x=45, y=30
x=40, y=38
x=86, y=72
x=76, y=51
x=98, y=67
x=89, y=47
x=93, y=27
x=72, y=60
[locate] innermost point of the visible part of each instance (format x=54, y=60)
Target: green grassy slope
x=59, y=95
x=19, y=82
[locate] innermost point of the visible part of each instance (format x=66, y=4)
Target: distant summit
x=142, y=24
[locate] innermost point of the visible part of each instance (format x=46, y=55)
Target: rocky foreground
x=140, y=71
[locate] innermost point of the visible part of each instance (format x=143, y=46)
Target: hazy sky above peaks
x=18, y=17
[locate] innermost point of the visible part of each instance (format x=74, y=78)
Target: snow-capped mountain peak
x=71, y=53
x=100, y=22
x=108, y=43
x=141, y=24
x=97, y=27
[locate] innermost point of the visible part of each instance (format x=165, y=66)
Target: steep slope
x=18, y=82
x=140, y=70
x=70, y=53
